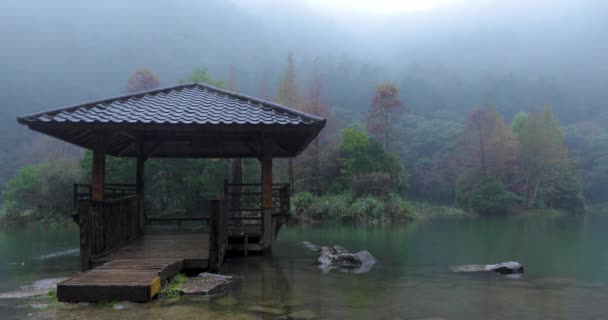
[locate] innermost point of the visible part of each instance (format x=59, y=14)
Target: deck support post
x=99, y=169
x=218, y=235
x=139, y=184
x=97, y=194
x=267, y=233
x=85, y=235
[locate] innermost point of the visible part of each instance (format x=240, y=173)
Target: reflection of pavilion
x=184, y=121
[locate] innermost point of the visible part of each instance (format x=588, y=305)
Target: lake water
x=565, y=258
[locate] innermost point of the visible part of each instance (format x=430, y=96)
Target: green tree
x=201, y=75
x=22, y=191
x=43, y=189
x=543, y=156
x=519, y=123
x=428, y=156
x=485, y=195
x=359, y=155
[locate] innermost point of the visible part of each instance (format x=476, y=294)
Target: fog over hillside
x=514, y=55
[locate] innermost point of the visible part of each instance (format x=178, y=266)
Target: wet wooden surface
x=130, y=280
x=135, y=272
x=192, y=248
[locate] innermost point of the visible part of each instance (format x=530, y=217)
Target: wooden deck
x=192, y=248
x=135, y=272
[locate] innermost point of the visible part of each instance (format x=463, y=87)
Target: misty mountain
x=514, y=56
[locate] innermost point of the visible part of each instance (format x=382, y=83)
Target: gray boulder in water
x=510, y=267
x=337, y=257
x=207, y=284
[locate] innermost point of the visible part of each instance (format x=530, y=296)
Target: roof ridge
x=259, y=101
x=239, y=96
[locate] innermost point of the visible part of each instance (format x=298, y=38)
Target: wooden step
x=119, y=280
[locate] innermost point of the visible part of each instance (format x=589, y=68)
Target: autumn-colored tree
x=313, y=102
x=142, y=80
x=384, y=104
x=288, y=96
x=487, y=145
x=543, y=155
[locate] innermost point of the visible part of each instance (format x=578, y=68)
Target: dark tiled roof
x=192, y=103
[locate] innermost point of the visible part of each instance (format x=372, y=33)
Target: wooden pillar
x=85, y=235
x=139, y=184
x=218, y=234
x=267, y=195
x=99, y=170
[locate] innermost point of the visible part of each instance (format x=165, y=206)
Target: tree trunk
x=534, y=195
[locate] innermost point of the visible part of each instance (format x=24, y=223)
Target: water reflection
x=566, y=272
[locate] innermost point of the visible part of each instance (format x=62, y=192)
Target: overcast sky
x=393, y=7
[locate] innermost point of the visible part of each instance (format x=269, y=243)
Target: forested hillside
x=423, y=88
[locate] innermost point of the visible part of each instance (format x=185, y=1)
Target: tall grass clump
x=308, y=207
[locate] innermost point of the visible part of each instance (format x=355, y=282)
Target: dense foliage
x=526, y=164
x=480, y=164
x=42, y=190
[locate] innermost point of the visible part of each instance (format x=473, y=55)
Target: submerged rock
x=226, y=301
x=207, y=284
x=337, y=257
x=302, y=315
x=268, y=310
x=505, y=268
x=122, y=305
x=38, y=288
x=310, y=246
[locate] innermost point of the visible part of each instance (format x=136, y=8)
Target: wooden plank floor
x=135, y=272
x=192, y=248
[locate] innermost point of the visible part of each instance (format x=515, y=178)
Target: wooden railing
x=244, y=205
x=107, y=225
x=218, y=234
x=245, y=200
x=111, y=191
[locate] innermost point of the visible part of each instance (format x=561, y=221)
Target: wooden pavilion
x=184, y=121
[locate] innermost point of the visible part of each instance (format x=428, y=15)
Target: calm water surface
x=565, y=258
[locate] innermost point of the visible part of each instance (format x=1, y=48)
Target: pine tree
x=288, y=87
x=288, y=96
x=313, y=103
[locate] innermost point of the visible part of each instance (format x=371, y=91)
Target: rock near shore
x=505, y=268
x=207, y=284
x=337, y=257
